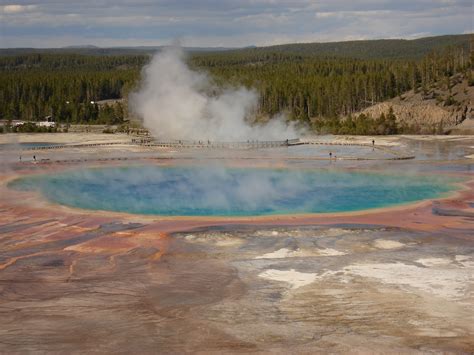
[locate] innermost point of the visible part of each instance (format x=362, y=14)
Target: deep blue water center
x=217, y=191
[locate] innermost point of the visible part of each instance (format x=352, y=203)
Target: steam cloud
x=175, y=102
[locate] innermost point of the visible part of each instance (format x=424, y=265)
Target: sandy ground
x=373, y=299
x=66, y=138
x=397, y=280
x=79, y=138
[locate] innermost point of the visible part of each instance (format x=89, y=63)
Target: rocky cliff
x=438, y=109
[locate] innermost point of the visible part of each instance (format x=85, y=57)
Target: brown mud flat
x=385, y=281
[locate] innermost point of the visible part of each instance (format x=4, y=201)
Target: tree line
x=323, y=92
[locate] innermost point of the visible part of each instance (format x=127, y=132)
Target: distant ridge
x=361, y=49
x=94, y=50
x=81, y=46
x=380, y=48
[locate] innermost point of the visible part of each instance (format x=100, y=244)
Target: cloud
x=15, y=8
x=225, y=22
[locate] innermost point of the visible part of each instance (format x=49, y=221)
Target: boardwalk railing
x=178, y=144
x=84, y=145
x=250, y=144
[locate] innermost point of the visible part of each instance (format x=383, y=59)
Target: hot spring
x=218, y=191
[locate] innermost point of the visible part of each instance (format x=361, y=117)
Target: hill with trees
x=321, y=85
x=374, y=49
x=362, y=49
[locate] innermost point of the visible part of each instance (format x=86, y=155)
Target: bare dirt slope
x=438, y=109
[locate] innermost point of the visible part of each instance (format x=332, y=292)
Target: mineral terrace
x=392, y=280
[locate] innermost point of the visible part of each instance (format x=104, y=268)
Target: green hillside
x=366, y=49
x=309, y=82
x=371, y=49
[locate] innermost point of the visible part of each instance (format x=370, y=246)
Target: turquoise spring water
x=214, y=191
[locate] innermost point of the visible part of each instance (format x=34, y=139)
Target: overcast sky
x=228, y=23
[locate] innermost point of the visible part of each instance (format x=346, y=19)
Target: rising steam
x=175, y=102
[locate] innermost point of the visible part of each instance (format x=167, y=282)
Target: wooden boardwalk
x=251, y=144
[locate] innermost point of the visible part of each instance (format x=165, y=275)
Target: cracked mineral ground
x=390, y=280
